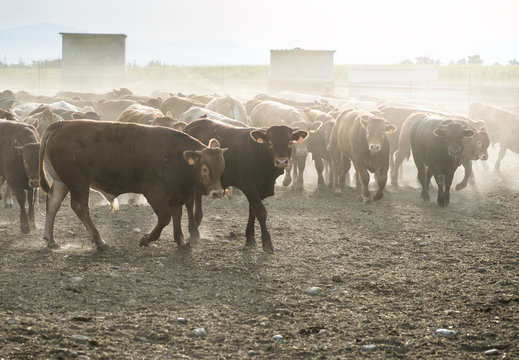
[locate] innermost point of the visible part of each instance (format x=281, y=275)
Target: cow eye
x=479, y=143
x=205, y=170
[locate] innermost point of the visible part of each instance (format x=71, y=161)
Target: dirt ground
x=390, y=274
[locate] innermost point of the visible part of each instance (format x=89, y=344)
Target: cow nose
x=34, y=183
x=483, y=157
x=375, y=147
x=281, y=163
x=216, y=194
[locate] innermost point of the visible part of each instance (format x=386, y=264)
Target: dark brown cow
x=502, y=125
x=164, y=165
x=255, y=158
x=361, y=137
x=474, y=148
x=19, y=146
x=270, y=113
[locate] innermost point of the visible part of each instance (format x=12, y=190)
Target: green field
x=184, y=78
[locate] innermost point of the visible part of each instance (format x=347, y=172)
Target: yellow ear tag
x=191, y=161
x=259, y=140
x=301, y=139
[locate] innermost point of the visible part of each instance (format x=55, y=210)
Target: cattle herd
x=175, y=148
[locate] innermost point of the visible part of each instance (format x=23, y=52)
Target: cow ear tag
x=259, y=140
x=301, y=139
x=191, y=161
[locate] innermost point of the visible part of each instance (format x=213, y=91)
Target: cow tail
x=44, y=183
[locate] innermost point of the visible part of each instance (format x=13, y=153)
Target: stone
x=79, y=338
x=181, y=320
x=446, y=332
x=492, y=352
x=337, y=278
x=314, y=290
x=199, y=332
x=277, y=337
x=370, y=347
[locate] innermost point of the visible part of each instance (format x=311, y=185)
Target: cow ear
x=35, y=123
x=299, y=136
x=390, y=128
x=259, y=136
x=191, y=156
x=439, y=132
x=364, y=122
x=468, y=133
x=213, y=143
x=316, y=126
x=169, y=114
x=180, y=126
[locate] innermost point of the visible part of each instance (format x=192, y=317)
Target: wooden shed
x=93, y=62
x=301, y=70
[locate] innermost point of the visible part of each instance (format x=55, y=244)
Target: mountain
x=42, y=41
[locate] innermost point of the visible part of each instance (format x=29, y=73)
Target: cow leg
x=57, y=193
x=288, y=176
x=31, y=198
x=162, y=209
x=423, y=179
x=260, y=212
x=249, y=231
x=176, y=215
x=8, y=197
x=381, y=178
x=79, y=203
x=467, y=164
x=319, y=167
x=301, y=164
x=345, y=174
x=327, y=172
x=21, y=197
x=501, y=155
x=363, y=175
x=399, y=159
x=447, y=191
x=440, y=180
x=194, y=218
x=337, y=168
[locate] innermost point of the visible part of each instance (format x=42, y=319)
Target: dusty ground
x=407, y=268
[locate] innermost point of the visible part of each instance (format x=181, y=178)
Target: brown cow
x=166, y=166
x=229, y=106
x=19, y=146
x=112, y=109
x=474, y=148
x=146, y=115
x=178, y=105
x=270, y=113
x=361, y=137
x=66, y=114
x=7, y=114
x=255, y=158
x=42, y=120
x=502, y=125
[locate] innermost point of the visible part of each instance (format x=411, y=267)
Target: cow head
x=278, y=139
x=475, y=148
x=208, y=166
x=453, y=134
x=30, y=157
x=376, y=130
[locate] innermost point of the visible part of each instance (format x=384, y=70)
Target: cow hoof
x=103, y=247
x=26, y=229
x=184, y=247
x=287, y=182
x=53, y=246
x=8, y=206
x=460, y=186
x=144, y=241
x=268, y=248
x=378, y=197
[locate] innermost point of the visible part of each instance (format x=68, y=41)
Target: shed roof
x=90, y=34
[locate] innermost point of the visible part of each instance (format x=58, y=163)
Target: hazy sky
x=376, y=31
